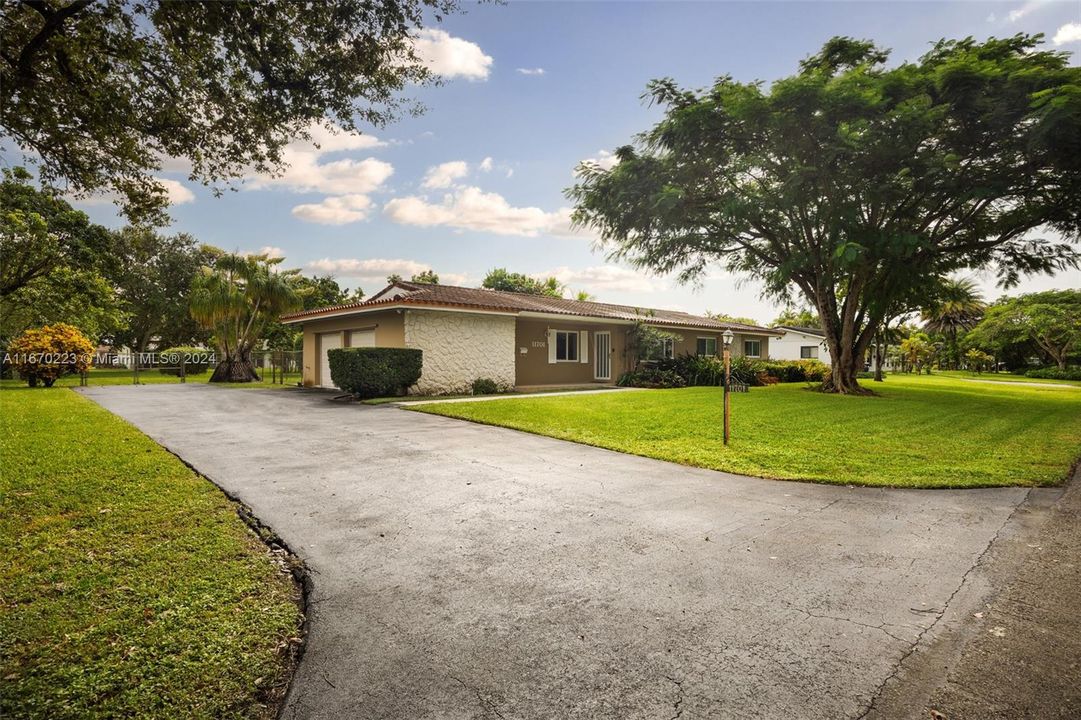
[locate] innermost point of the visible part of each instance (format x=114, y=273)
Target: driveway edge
x=288, y=560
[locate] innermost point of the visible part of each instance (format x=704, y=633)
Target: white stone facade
x=459, y=348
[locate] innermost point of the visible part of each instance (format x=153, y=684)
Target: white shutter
x=583, y=346
x=551, y=346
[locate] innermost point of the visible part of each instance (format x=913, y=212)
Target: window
x=808, y=352
x=752, y=348
x=707, y=346
x=665, y=352
x=566, y=346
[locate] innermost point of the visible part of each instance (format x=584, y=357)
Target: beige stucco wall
x=687, y=342
x=389, y=329
x=460, y=347
x=533, y=367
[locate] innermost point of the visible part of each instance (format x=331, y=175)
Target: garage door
x=362, y=338
x=327, y=341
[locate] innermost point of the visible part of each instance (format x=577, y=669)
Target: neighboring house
x=800, y=343
x=512, y=338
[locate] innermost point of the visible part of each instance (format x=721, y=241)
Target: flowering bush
x=45, y=354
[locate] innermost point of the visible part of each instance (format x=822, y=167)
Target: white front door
x=602, y=350
x=327, y=342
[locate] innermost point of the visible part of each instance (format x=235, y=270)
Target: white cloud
x=531, y=71
x=1068, y=33
x=605, y=159
x=1027, y=8
x=486, y=164
x=178, y=194
x=470, y=208
x=991, y=18
x=444, y=174
x=335, y=210
x=602, y=278
x=372, y=268
x=271, y=251
x=449, y=56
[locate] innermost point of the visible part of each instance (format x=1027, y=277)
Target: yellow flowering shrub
x=45, y=354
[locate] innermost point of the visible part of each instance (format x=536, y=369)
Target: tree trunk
x=237, y=368
x=878, y=358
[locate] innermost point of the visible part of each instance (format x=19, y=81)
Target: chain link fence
x=274, y=367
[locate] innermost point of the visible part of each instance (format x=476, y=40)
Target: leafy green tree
x=725, y=317
x=802, y=317
x=154, y=279
x=40, y=231
x=100, y=91
x=955, y=309
x=850, y=183
x=82, y=298
x=918, y=352
x=1050, y=320
x=583, y=296
x=236, y=298
x=393, y=278
x=426, y=277
x=646, y=341
x=501, y=279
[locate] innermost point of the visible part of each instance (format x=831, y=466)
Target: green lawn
x=128, y=586
x=1004, y=377
x=919, y=432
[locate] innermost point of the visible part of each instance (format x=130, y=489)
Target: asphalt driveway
x=464, y=571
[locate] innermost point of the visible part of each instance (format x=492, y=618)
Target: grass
x=128, y=587
x=119, y=376
x=919, y=432
x=1004, y=377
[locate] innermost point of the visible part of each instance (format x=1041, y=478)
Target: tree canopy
x=851, y=183
x=1050, y=320
x=103, y=91
x=501, y=279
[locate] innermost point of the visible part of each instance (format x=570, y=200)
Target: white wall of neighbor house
x=798, y=346
x=460, y=347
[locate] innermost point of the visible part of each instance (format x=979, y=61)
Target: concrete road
x=464, y=571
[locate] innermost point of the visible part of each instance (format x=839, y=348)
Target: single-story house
x=512, y=338
x=800, y=343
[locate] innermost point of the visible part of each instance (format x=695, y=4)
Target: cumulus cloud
x=1068, y=33
x=271, y=252
x=1027, y=8
x=335, y=210
x=531, y=71
x=177, y=192
x=604, y=159
x=451, y=57
x=486, y=164
x=604, y=278
x=371, y=268
x=470, y=208
x=444, y=174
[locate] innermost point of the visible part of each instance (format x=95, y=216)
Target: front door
x=602, y=363
x=327, y=342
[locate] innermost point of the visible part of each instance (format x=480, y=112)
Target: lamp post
x=726, y=338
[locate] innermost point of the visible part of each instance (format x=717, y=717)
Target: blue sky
x=477, y=181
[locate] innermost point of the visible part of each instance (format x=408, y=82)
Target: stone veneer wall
x=459, y=348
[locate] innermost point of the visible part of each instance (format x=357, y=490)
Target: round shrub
x=196, y=360
x=369, y=372
x=651, y=377
x=486, y=386
x=45, y=354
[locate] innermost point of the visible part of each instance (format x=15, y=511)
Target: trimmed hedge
x=651, y=377
x=196, y=360
x=370, y=372
x=1054, y=373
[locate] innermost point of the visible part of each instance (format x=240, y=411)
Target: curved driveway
x=464, y=571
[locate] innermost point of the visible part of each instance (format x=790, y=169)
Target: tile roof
x=498, y=300
x=804, y=330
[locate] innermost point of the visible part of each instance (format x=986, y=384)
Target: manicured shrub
x=1054, y=373
x=45, y=354
x=694, y=369
x=487, y=386
x=196, y=360
x=651, y=377
x=369, y=372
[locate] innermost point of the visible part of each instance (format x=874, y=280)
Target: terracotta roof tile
x=498, y=300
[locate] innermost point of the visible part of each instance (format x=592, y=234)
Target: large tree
x=101, y=91
x=154, y=281
x=852, y=183
x=236, y=298
x=1050, y=320
x=501, y=279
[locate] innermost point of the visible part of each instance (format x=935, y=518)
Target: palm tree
x=235, y=299
x=956, y=308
